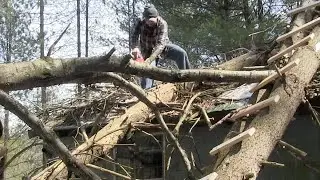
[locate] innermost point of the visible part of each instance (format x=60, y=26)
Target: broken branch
x=303, y=8
x=57, y=40
x=47, y=135
x=244, y=135
x=292, y=148
x=205, y=115
x=299, y=29
x=220, y=121
x=254, y=108
x=250, y=68
x=290, y=48
x=275, y=75
x=272, y=163
x=185, y=113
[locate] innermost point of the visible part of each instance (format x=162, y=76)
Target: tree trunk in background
x=246, y=13
x=260, y=10
x=226, y=9
x=43, y=89
x=237, y=63
x=129, y=22
x=87, y=29
x=6, y=132
x=78, y=38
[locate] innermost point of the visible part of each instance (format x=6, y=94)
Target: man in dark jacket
x=154, y=42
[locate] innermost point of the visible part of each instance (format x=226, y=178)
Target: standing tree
x=213, y=28
x=79, y=37
x=16, y=43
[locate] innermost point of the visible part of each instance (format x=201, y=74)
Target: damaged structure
x=247, y=119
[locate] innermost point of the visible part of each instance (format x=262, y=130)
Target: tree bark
x=235, y=64
x=270, y=126
x=43, y=89
x=24, y=75
x=78, y=38
x=111, y=133
x=246, y=12
x=87, y=30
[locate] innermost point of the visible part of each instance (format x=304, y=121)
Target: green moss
x=44, y=66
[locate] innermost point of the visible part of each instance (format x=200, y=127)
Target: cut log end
x=251, y=131
x=311, y=36
x=276, y=98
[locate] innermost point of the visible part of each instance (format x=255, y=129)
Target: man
x=154, y=42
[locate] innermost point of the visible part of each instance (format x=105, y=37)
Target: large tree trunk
x=237, y=63
x=111, y=133
x=271, y=125
x=24, y=75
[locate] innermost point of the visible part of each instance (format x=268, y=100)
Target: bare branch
x=140, y=94
x=57, y=40
x=185, y=113
x=46, y=134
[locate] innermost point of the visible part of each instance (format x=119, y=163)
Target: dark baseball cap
x=150, y=11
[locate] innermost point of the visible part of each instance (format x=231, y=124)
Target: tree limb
x=141, y=95
x=47, y=135
x=49, y=71
x=57, y=40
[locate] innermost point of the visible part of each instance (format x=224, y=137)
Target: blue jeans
x=173, y=52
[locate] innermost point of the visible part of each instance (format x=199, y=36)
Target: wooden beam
x=254, y=108
x=233, y=141
x=299, y=29
x=211, y=176
x=108, y=171
x=250, y=68
x=272, y=77
x=290, y=48
x=303, y=8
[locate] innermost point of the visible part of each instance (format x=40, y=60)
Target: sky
x=57, y=15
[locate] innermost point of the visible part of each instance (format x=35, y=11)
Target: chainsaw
x=137, y=56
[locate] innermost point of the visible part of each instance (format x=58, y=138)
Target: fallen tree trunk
x=271, y=126
x=237, y=63
x=46, y=72
x=106, y=138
